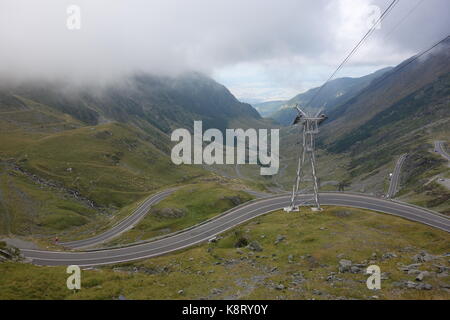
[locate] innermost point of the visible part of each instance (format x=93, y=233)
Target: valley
x=90, y=168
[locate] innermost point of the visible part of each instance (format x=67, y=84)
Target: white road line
x=243, y=218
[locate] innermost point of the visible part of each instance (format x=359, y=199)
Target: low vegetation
x=284, y=256
x=60, y=176
x=184, y=208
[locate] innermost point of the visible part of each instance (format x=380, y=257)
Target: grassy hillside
x=413, y=112
x=362, y=141
x=184, y=208
x=391, y=89
x=277, y=256
x=144, y=100
x=335, y=93
x=74, y=160
x=60, y=175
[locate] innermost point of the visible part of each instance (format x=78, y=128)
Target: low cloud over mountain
x=169, y=37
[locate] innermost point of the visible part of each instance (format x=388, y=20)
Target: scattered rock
x=410, y=267
x=422, y=275
x=216, y=291
x=298, y=278
x=413, y=285
x=424, y=286
x=279, y=286
x=356, y=269
x=332, y=277
x=388, y=255
x=413, y=271
x=423, y=257
x=344, y=265
x=317, y=292
x=255, y=246
x=441, y=269
x=279, y=239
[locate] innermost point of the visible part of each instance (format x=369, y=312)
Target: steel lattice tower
x=308, y=132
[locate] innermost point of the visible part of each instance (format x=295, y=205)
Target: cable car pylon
x=310, y=128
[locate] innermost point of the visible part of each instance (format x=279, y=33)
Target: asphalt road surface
x=393, y=185
x=439, y=148
x=232, y=218
x=122, y=226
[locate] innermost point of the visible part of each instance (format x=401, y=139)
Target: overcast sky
x=260, y=49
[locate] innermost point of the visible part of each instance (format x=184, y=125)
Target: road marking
x=377, y=203
x=116, y=230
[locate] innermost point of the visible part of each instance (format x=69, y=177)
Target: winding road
x=230, y=219
x=439, y=148
x=393, y=186
x=123, y=225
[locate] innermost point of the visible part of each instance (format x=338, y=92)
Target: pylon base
x=292, y=209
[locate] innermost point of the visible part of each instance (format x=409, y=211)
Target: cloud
x=293, y=43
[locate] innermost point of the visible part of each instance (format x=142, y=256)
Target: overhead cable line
x=410, y=61
x=404, y=18
x=381, y=18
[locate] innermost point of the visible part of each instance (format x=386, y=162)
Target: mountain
x=333, y=94
x=164, y=102
x=386, y=93
x=404, y=110
x=76, y=158
x=266, y=109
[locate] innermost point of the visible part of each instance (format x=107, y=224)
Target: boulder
x=388, y=255
x=216, y=291
x=279, y=239
x=424, y=286
x=279, y=286
x=422, y=275
x=344, y=265
x=355, y=269
x=423, y=257
x=255, y=246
